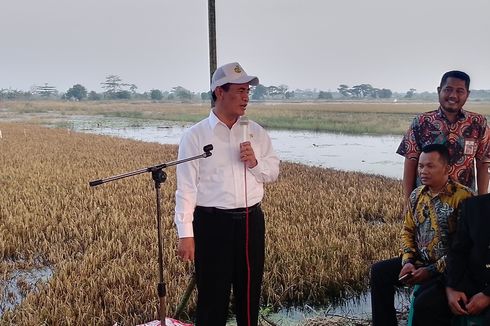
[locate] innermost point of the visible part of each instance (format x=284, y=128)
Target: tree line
x=116, y=89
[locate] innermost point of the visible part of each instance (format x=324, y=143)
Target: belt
x=234, y=211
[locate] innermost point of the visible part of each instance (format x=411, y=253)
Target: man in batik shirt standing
x=464, y=133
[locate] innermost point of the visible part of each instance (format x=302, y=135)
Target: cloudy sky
x=300, y=43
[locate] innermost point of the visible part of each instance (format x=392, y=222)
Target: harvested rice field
x=324, y=229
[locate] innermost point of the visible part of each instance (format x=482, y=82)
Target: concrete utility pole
x=212, y=40
x=212, y=68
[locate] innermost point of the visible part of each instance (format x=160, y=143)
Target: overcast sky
x=320, y=44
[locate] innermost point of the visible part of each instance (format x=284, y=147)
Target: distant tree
x=325, y=95
x=480, y=94
x=282, y=89
x=363, y=90
x=367, y=90
x=114, y=88
x=5, y=93
x=356, y=91
x=305, y=93
x=14, y=94
x=122, y=95
x=259, y=92
x=206, y=96
x=133, y=88
x=427, y=96
x=181, y=93
x=289, y=94
x=112, y=85
x=344, y=90
x=275, y=91
x=410, y=93
x=93, y=96
x=77, y=92
x=156, y=95
x=385, y=93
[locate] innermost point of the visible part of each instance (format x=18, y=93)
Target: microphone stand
x=159, y=176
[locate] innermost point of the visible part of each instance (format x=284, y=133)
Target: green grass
x=349, y=123
x=123, y=114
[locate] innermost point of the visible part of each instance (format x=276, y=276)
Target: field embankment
x=324, y=228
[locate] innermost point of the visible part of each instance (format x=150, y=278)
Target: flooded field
x=361, y=153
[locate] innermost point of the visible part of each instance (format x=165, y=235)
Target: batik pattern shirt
x=429, y=222
x=467, y=138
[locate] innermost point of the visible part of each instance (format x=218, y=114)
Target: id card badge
x=469, y=147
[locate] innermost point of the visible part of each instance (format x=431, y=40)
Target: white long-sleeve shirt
x=218, y=180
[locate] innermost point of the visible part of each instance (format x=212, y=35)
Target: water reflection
x=358, y=307
x=363, y=153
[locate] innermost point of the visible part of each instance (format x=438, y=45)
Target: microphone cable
x=247, y=258
x=244, y=124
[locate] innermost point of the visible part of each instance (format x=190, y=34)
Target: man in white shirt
x=217, y=211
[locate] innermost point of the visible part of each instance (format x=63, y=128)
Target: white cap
x=232, y=73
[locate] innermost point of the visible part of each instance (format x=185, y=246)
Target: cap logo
x=237, y=69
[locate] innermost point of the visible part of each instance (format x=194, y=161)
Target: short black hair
x=456, y=74
x=225, y=87
x=439, y=148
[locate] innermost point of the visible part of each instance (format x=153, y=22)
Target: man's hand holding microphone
x=247, y=154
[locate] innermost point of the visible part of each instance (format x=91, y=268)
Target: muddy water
x=19, y=283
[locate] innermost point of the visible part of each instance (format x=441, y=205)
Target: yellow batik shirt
x=429, y=222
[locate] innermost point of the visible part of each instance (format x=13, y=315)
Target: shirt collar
x=214, y=120
x=448, y=190
x=461, y=114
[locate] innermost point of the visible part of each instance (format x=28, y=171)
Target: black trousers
x=220, y=263
x=430, y=302
x=384, y=280
x=486, y=317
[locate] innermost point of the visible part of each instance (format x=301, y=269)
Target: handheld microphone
x=244, y=126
